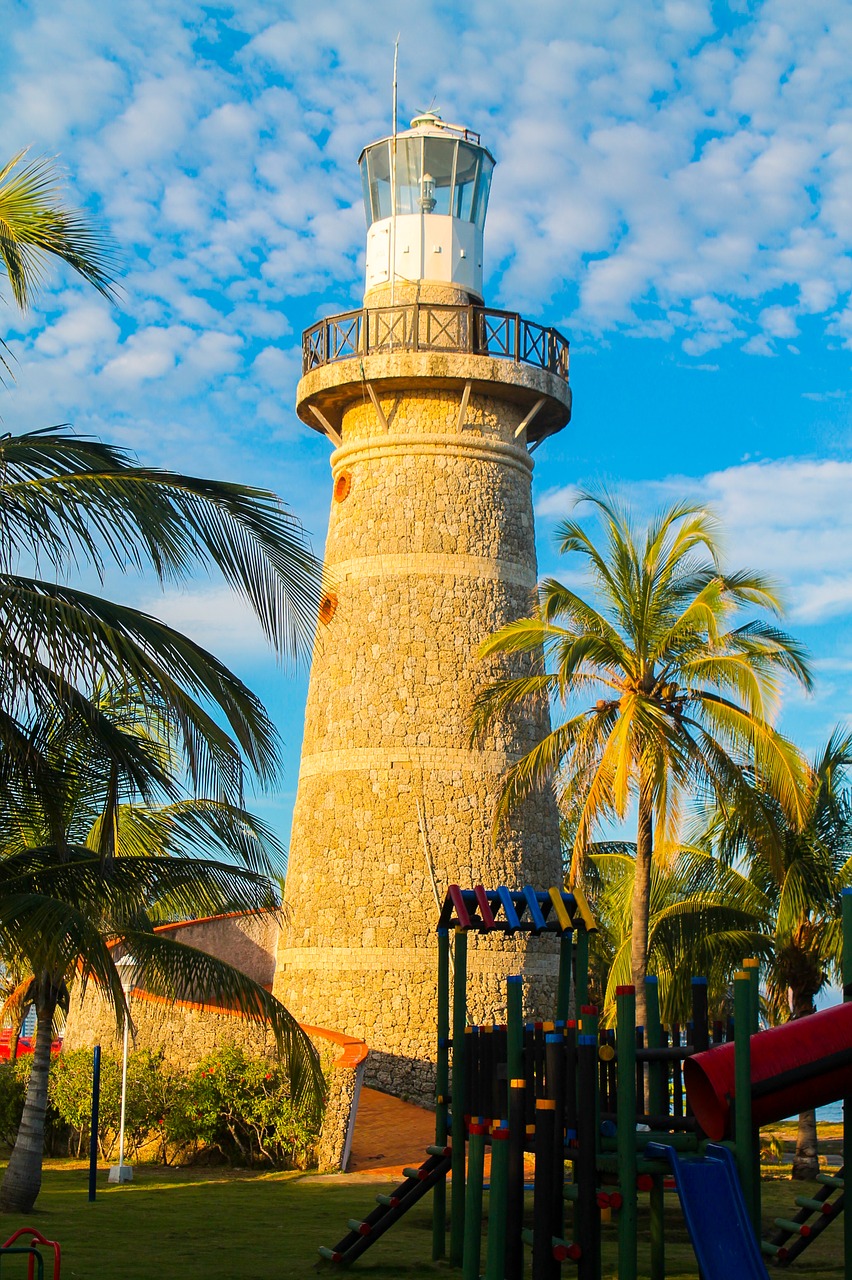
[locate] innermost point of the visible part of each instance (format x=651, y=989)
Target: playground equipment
x=32, y=1252
x=610, y=1114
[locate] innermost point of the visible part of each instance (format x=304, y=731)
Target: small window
x=365, y=183
x=409, y=167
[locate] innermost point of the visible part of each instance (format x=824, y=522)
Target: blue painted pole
x=96, y=1106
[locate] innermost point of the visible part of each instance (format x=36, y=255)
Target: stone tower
x=434, y=404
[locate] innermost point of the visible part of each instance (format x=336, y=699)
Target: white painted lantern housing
x=425, y=195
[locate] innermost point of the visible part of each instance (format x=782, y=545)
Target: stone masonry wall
x=430, y=549
x=248, y=941
x=186, y=1033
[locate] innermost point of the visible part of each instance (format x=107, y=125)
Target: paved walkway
x=388, y=1135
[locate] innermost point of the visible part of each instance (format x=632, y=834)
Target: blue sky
x=673, y=191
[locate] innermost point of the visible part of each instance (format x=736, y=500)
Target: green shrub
x=13, y=1087
x=230, y=1107
x=14, y=1078
x=240, y=1108
x=70, y=1092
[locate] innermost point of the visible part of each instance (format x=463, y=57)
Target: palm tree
x=661, y=689
x=85, y=876
x=704, y=918
x=800, y=870
x=66, y=501
x=63, y=502
x=35, y=225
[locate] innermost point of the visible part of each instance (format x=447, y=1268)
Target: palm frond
x=176, y=971
x=35, y=225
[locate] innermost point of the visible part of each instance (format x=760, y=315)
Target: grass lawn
x=185, y=1224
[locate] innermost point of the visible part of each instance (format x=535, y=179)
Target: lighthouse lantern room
x=425, y=196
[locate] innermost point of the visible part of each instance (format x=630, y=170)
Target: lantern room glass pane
x=378, y=167
x=483, y=187
x=365, y=183
x=409, y=168
x=438, y=164
x=467, y=169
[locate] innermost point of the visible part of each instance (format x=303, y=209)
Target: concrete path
x=388, y=1135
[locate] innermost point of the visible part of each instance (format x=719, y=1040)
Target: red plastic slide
x=800, y=1065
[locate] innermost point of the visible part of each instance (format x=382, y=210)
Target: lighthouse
x=433, y=403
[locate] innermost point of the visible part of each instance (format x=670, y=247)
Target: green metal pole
x=658, y=1104
x=581, y=992
x=473, y=1202
x=442, y=1089
x=563, y=991
x=590, y=1023
x=744, y=1136
x=457, y=1196
x=657, y=1227
x=514, y=1263
x=625, y=1004
x=495, y=1263
x=514, y=1027
x=752, y=968
x=656, y=1096
x=847, y=1101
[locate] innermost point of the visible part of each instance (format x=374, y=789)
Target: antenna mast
x=395, y=61
x=393, y=176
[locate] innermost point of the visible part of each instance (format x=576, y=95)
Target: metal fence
x=423, y=326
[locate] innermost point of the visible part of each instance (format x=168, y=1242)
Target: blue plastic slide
x=715, y=1212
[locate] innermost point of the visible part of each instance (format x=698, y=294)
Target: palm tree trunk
x=806, y=1159
x=642, y=902
x=22, y=1182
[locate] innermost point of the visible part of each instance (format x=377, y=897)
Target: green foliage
x=799, y=871
x=14, y=1078
x=241, y=1108
x=660, y=692
x=37, y=225
x=13, y=1087
x=70, y=1093
x=704, y=919
x=229, y=1108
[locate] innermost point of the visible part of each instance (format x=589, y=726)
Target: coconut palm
x=36, y=226
x=659, y=690
x=86, y=871
x=704, y=918
x=67, y=502
x=800, y=870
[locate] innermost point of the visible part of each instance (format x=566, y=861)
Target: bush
x=240, y=1107
x=13, y=1086
x=14, y=1077
x=70, y=1092
x=230, y=1107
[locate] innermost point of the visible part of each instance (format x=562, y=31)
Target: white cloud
x=214, y=617
x=790, y=519
x=150, y=353
x=779, y=322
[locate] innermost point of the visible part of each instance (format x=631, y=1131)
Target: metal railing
x=427, y=326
